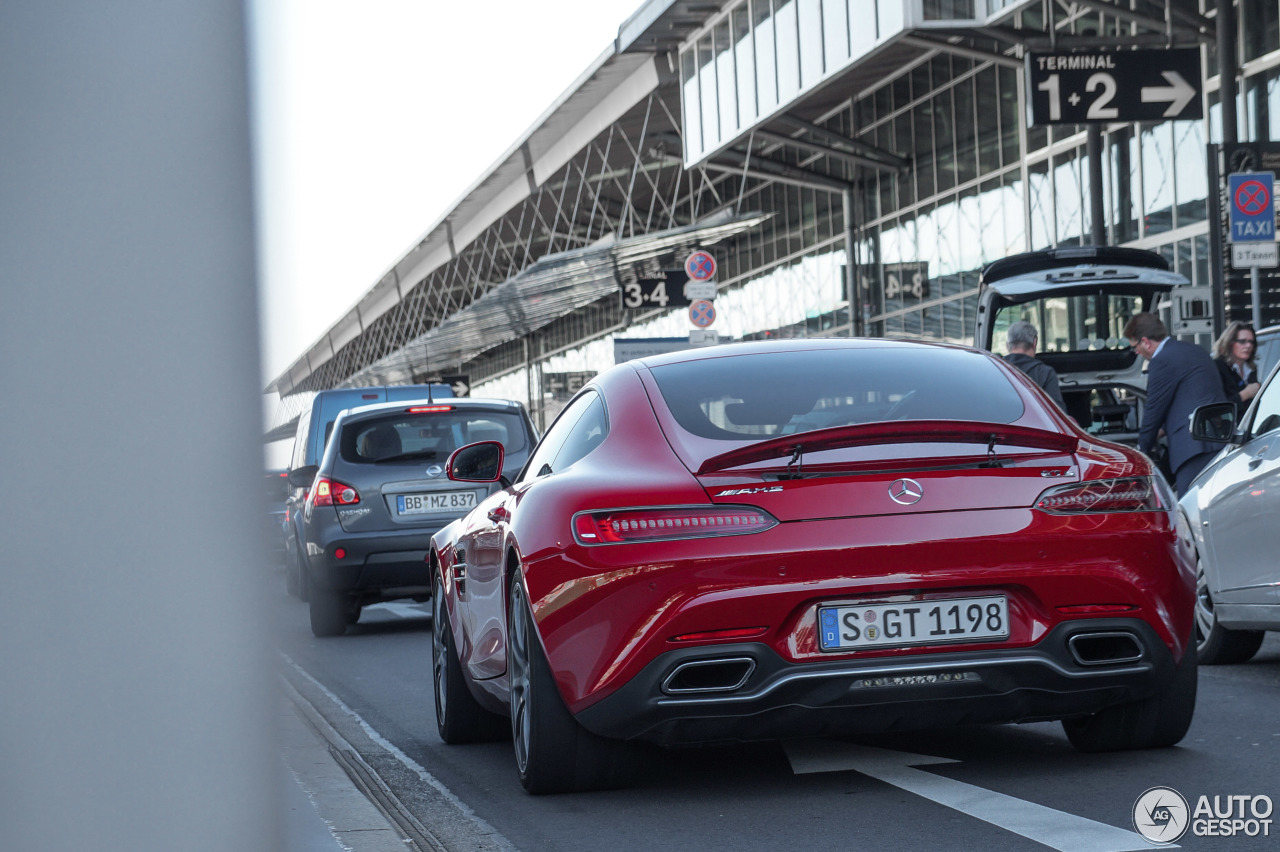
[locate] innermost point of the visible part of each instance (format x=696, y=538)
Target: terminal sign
x=1151, y=84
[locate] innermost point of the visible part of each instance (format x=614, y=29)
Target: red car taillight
x=1135, y=494
x=616, y=526
x=331, y=492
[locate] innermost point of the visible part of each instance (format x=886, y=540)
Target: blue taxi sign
x=1252, y=204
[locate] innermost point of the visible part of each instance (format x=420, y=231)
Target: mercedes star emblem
x=905, y=491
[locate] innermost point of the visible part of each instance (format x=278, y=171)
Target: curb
x=410, y=834
x=367, y=760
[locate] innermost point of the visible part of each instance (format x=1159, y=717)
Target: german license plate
x=855, y=626
x=436, y=501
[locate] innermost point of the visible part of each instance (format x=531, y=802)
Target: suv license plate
x=853, y=627
x=436, y=501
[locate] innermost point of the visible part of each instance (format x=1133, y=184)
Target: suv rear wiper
x=416, y=454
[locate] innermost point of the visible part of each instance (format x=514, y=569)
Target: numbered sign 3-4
x=653, y=292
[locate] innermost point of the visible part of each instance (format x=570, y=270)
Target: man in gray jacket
x=1022, y=339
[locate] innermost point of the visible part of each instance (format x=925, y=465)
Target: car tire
x=291, y=574
x=1215, y=644
x=1156, y=722
x=304, y=575
x=554, y=754
x=329, y=612
x=459, y=717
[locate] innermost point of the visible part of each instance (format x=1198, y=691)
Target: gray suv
x=1079, y=299
x=314, y=425
x=380, y=492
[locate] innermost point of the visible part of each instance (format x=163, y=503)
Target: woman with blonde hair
x=1234, y=352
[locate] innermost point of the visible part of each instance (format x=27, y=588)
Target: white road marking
x=1056, y=829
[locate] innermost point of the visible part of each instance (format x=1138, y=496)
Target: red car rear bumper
x=683, y=696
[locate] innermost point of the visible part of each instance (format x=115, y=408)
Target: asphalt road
x=999, y=788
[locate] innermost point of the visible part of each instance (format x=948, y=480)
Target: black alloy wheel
x=554, y=754
x=459, y=717
x=1156, y=722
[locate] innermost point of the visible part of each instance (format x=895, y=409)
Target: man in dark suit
x=1180, y=378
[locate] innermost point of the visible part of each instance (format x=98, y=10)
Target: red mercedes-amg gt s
x=801, y=538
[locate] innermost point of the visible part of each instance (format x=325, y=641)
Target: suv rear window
x=1086, y=322
x=277, y=486
x=759, y=396
x=428, y=435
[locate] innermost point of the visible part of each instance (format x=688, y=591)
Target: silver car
x=1233, y=507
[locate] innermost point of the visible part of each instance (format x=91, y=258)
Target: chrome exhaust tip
x=720, y=675
x=1105, y=649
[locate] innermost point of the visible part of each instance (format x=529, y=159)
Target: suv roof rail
x=1034, y=261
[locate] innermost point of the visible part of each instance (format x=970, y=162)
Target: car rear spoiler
x=892, y=432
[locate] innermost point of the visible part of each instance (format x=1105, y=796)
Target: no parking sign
x=702, y=313
x=700, y=266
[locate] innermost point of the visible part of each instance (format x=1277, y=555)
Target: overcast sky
x=372, y=118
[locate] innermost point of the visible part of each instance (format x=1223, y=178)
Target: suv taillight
x=1133, y=494
x=331, y=492
x=617, y=526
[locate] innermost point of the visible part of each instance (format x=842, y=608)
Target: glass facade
x=982, y=183
x=898, y=252
x=759, y=55
x=976, y=195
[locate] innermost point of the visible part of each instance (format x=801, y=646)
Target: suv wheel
x=328, y=612
x=292, y=574
x=300, y=576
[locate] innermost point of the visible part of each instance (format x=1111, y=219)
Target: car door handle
x=499, y=514
x=1254, y=462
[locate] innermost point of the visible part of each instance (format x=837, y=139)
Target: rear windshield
x=277, y=485
x=429, y=435
x=781, y=393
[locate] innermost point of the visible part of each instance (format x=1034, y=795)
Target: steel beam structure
x=601, y=180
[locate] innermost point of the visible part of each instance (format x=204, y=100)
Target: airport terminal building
x=848, y=165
